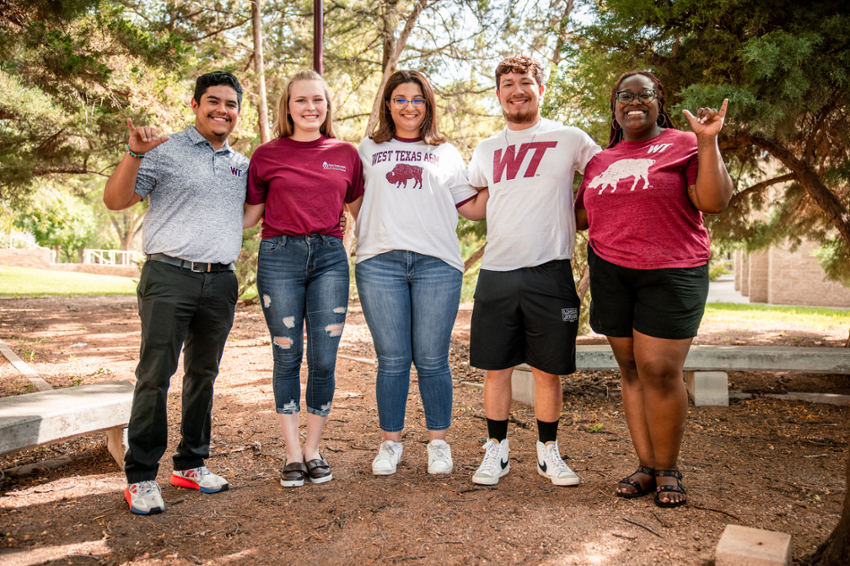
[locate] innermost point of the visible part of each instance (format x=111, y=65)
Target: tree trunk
x=561, y=26
x=391, y=61
x=473, y=259
x=259, y=68
x=583, y=284
x=127, y=228
x=835, y=551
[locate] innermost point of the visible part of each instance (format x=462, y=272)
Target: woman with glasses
x=409, y=269
x=299, y=183
x=643, y=199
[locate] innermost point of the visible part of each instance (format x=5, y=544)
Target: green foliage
x=834, y=258
x=785, y=68
x=246, y=264
x=57, y=220
x=72, y=72
x=717, y=270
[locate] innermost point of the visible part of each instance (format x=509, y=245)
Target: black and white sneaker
x=550, y=465
x=495, y=465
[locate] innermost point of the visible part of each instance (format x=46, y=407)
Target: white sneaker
x=439, y=457
x=550, y=465
x=389, y=455
x=144, y=498
x=199, y=478
x=495, y=465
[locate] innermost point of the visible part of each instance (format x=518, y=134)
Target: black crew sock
x=547, y=432
x=497, y=429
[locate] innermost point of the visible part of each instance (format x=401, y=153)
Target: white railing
x=113, y=257
x=17, y=241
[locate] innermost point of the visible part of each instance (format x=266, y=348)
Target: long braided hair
x=664, y=120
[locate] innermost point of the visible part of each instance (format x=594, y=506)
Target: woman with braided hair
x=642, y=199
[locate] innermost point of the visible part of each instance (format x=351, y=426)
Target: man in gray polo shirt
x=187, y=292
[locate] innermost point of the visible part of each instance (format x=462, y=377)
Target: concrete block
x=745, y=546
x=708, y=387
x=522, y=385
x=33, y=419
x=116, y=443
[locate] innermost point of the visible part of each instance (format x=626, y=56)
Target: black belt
x=195, y=266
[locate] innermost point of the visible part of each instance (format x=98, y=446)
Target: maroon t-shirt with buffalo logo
x=636, y=197
x=304, y=185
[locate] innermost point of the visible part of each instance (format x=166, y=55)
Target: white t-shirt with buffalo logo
x=411, y=190
x=530, y=218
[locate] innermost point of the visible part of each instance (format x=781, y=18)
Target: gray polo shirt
x=196, y=199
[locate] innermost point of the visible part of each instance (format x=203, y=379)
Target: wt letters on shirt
x=623, y=169
x=511, y=160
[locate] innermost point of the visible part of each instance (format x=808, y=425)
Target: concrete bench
x=35, y=419
x=706, y=367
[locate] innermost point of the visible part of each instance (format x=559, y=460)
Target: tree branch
x=760, y=187
x=809, y=179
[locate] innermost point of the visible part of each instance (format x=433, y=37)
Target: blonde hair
x=284, y=126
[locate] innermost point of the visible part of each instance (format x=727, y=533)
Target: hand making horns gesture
x=708, y=121
x=144, y=138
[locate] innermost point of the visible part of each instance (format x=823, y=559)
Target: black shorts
x=662, y=303
x=526, y=315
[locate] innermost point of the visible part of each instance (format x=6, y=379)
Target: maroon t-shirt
x=304, y=185
x=636, y=197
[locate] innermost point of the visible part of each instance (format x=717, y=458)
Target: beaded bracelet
x=134, y=154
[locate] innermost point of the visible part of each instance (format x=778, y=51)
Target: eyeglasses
x=401, y=103
x=645, y=96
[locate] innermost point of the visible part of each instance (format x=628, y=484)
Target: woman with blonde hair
x=299, y=184
x=409, y=269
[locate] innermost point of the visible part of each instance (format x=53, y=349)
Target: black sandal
x=670, y=488
x=641, y=491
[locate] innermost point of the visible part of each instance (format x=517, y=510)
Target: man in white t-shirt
x=526, y=308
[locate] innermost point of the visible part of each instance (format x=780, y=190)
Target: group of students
x=642, y=200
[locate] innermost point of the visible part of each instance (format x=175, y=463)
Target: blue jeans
x=303, y=278
x=410, y=302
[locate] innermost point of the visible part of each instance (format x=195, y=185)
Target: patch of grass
x=742, y=315
x=24, y=282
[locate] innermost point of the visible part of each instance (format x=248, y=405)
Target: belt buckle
x=192, y=267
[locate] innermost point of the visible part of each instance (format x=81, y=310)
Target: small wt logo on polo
x=236, y=172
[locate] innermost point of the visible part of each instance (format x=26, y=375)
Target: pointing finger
x=723, y=107
x=130, y=125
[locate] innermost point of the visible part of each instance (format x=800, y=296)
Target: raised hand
x=144, y=138
x=708, y=121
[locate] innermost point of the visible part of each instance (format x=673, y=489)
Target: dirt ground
x=761, y=462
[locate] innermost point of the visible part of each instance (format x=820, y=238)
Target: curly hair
x=519, y=64
x=428, y=130
x=616, y=134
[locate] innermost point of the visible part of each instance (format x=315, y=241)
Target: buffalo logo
x=623, y=169
x=401, y=174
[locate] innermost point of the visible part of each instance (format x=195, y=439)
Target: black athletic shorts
x=662, y=303
x=526, y=315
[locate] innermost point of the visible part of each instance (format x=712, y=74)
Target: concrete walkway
x=723, y=291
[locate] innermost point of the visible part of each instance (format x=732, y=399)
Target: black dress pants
x=178, y=307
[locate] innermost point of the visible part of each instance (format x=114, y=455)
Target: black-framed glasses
x=401, y=103
x=646, y=96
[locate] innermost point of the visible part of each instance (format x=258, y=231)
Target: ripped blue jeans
x=303, y=279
